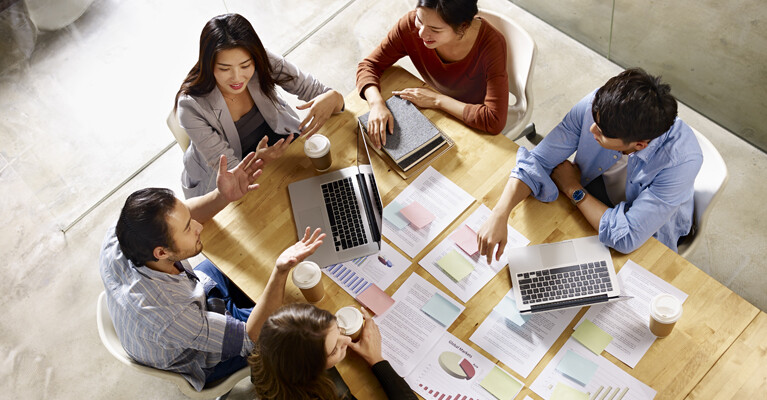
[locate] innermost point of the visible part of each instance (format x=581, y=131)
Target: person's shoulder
x=490, y=35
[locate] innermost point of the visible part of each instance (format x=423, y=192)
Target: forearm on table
x=513, y=193
x=451, y=106
x=372, y=94
x=592, y=209
x=267, y=304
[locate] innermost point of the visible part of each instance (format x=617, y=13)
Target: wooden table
x=245, y=239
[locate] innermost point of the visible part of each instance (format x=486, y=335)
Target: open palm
x=300, y=250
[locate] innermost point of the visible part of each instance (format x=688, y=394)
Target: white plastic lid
x=316, y=146
x=306, y=274
x=349, y=319
x=665, y=308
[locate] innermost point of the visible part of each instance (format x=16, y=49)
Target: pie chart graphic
x=456, y=366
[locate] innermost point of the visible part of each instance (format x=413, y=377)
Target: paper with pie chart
x=454, y=370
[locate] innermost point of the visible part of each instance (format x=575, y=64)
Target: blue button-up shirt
x=659, y=180
x=162, y=319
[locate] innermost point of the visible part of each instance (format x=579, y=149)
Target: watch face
x=578, y=195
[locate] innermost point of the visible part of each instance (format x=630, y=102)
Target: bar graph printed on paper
x=444, y=396
x=349, y=279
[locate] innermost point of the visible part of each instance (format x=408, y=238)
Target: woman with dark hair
x=296, y=352
x=228, y=103
x=459, y=55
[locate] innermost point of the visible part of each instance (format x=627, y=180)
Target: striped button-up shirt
x=162, y=319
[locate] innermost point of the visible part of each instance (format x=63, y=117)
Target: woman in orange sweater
x=461, y=56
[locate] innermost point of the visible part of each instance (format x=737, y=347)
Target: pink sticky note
x=417, y=215
x=375, y=299
x=466, y=239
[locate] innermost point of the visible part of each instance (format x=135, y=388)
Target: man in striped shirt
x=192, y=322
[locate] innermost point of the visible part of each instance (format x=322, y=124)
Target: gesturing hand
x=300, y=250
x=270, y=153
x=421, y=97
x=237, y=182
x=320, y=109
x=369, y=345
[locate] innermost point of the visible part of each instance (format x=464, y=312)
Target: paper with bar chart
x=572, y=365
x=356, y=275
x=452, y=370
x=468, y=286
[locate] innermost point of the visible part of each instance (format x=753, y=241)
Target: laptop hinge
x=583, y=301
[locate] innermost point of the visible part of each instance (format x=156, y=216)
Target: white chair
x=520, y=53
x=708, y=186
x=109, y=337
x=182, y=138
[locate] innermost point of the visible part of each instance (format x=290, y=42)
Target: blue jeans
x=238, y=304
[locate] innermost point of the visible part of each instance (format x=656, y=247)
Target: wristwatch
x=577, y=196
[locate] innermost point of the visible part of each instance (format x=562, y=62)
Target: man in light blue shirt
x=635, y=166
x=168, y=316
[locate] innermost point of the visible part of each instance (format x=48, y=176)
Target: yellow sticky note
x=591, y=336
x=500, y=384
x=455, y=265
x=564, y=392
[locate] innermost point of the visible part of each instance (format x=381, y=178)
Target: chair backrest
x=709, y=182
x=109, y=337
x=521, y=52
x=182, y=138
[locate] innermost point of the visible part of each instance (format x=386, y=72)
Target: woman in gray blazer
x=228, y=103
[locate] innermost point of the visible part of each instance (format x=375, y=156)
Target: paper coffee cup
x=351, y=321
x=665, y=310
x=308, y=277
x=317, y=148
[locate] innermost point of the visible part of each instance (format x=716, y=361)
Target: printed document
x=452, y=369
x=407, y=333
x=521, y=348
x=467, y=287
x=356, y=275
x=434, y=192
x=628, y=321
x=607, y=382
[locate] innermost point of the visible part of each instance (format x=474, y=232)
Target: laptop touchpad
x=558, y=253
x=311, y=218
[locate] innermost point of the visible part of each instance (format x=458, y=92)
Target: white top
x=665, y=308
x=306, y=275
x=615, y=180
x=349, y=319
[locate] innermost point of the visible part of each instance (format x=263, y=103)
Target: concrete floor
x=88, y=109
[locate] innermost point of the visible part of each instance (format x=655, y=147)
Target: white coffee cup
x=665, y=310
x=351, y=321
x=317, y=148
x=308, y=278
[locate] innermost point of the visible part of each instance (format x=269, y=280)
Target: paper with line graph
x=356, y=275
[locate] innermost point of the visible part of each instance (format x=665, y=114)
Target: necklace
x=232, y=99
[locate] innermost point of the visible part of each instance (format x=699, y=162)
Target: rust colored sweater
x=479, y=79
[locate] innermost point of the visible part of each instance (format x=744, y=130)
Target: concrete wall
x=713, y=53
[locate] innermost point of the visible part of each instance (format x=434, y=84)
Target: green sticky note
x=591, y=336
x=455, y=265
x=500, y=384
x=564, y=392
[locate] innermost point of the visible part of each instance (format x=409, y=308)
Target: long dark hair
x=225, y=32
x=456, y=13
x=288, y=361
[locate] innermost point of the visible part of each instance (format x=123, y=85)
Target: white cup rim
x=315, y=279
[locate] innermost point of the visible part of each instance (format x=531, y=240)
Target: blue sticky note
x=442, y=310
x=391, y=214
x=577, y=368
x=508, y=308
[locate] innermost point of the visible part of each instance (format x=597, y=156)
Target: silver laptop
x=346, y=205
x=555, y=276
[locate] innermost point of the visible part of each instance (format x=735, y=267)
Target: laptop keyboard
x=344, y=214
x=557, y=284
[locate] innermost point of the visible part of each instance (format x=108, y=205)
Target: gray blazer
x=208, y=123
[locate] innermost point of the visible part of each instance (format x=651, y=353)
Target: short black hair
x=142, y=225
x=634, y=106
x=456, y=13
